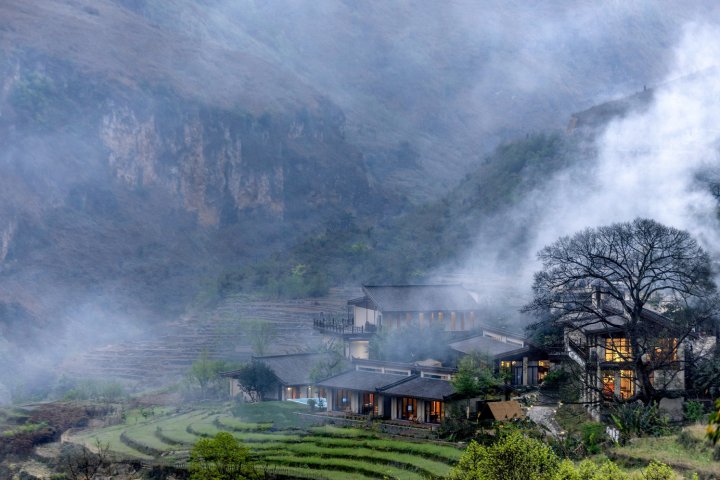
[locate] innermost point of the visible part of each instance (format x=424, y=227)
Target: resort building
x=396, y=391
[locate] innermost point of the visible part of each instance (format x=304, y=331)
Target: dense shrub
x=220, y=458
x=593, y=436
x=658, y=471
x=515, y=457
x=693, y=411
x=518, y=457
x=638, y=420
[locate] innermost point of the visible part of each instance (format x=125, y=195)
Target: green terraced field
x=326, y=452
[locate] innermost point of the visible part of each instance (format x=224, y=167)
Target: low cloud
x=659, y=163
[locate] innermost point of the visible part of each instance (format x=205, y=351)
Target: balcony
x=342, y=326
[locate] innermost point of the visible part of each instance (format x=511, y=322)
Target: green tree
x=256, y=379
x=260, y=334
x=220, y=458
x=514, y=457
x=475, y=378
x=205, y=371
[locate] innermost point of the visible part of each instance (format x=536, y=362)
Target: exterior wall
x=359, y=349
x=451, y=320
x=363, y=315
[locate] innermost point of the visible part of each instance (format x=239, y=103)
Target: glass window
x=617, y=350
x=627, y=384
x=369, y=404
x=408, y=408
x=341, y=401
x=434, y=411
x=517, y=373
x=608, y=382
x=666, y=350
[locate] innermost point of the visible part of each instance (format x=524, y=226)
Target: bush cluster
x=638, y=420
x=517, y=457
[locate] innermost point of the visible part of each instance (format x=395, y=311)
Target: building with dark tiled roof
x=598, y=345
x=450, y=307
x=292, y=372
x=391, y=390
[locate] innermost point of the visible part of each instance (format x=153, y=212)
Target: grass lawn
x=358, y=466
x=281, y=414
x=691, y=458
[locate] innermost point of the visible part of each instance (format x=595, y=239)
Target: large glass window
x=341, y=401
x=369, y=404
x=666, y=350
x=434, y=411
x=608, y=383
x=517, y=373
x=408, y=408
x=617, y=350
x=532, y=372
x=627, y=383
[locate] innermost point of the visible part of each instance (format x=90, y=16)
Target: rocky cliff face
x=137, y=184
x=204, y=163
x=117, y=201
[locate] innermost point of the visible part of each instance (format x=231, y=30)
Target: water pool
x=320, y=402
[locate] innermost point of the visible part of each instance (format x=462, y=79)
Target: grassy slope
x=691, y=458
x=286, y=444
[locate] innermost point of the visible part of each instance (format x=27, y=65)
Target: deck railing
x=341, y=325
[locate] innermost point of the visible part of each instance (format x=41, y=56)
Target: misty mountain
x=159, y=154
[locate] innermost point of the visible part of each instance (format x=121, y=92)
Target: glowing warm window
x=608, y=383
x=617, y=350
x=434, y=411
x=440, y=316
x=627, y=385
x=666, y=350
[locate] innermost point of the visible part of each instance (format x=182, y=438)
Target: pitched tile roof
x=414, y=298
x=292, y=369
x=362, y=381
x=616, y=319
x=502, y=410
x=420, y=387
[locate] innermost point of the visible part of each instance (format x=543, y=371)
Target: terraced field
x=280, y=442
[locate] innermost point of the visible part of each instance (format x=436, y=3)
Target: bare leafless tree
x=631, y=266
x=79, y=462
